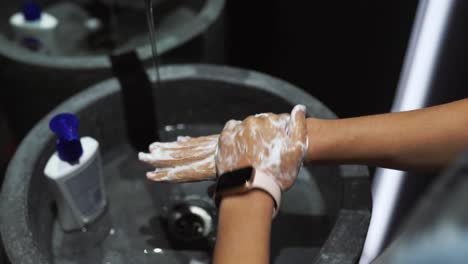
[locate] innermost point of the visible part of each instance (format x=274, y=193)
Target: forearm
x=426, y=139
x=244, y=228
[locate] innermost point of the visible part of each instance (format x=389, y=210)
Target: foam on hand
x=187, y=159
x=273, y=144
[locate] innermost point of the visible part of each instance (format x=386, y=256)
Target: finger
x=170, y=154
x=184, y=153
x=198, y=171
x=185, y=142
x=297, y=124
x=182, y=148
x=168, y=158
x=183, y=138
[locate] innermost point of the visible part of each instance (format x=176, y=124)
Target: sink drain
x=192, y=219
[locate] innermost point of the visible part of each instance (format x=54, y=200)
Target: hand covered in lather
x=273, y=145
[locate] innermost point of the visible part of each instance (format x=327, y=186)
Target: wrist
x=244, y=221
x=255, y=201
x=315, y=139
x=236, y=183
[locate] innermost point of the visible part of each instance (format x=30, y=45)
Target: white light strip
x=413, y=88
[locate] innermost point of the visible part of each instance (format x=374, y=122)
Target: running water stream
x=152, y=35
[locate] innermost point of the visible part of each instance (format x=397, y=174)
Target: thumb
x=297, y=124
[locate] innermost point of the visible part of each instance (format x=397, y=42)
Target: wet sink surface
x=135, y=230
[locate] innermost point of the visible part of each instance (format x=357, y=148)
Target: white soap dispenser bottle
x=75, y=173
x=34, y=29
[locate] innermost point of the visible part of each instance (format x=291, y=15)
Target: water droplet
x=93, y=24
x=177, y=215
x=169, y=128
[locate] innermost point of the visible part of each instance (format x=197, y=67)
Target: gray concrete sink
x=323, y=218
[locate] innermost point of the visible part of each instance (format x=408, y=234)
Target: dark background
x=348, y=54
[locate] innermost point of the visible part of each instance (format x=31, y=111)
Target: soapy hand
x=270, y=143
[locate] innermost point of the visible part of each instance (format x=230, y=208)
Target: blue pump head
x=68, y=144
x=31, y=10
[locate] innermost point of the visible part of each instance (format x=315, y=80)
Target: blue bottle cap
x=68, y=144
x=31, y=10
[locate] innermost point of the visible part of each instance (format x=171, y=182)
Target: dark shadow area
x=348, y=54
x=153, y=232
x=298, y=231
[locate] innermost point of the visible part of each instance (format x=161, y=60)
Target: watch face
x=234, y=178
